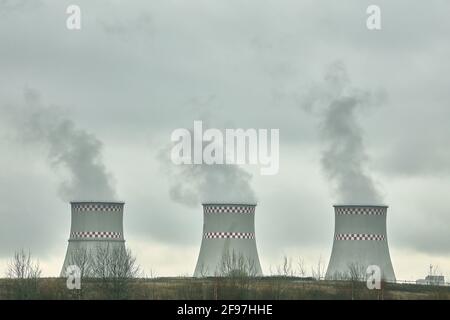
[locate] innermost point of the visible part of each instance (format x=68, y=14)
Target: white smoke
x=343, y=158
x=193, y=184
x=71, y=150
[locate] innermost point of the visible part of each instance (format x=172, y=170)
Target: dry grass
x=275, y=288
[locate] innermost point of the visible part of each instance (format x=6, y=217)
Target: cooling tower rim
x=360, y=206
x=96, y=240
x=96, y=202
x=229, y=204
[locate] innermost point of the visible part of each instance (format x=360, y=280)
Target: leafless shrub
x=301, y=267
x=204, y=271
x=285, y=269
x=356, y=275
x=25, y=274
x=236, y=265
x=234, y=275
x=319, y=271
x=356, y=272
x=278, y=285
x=82, y=258
x=115, y=267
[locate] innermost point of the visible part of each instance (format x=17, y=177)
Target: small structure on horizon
x=432, y=279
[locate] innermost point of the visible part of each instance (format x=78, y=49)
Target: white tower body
x=360, y=240
x=228, y=239
x=94, y=225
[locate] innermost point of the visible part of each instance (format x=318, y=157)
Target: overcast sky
x=137, y=70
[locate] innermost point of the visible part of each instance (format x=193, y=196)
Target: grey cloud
x=74, y=150
x=416, y=150
x=250, y=58
x=8, y=6
x=126, y=28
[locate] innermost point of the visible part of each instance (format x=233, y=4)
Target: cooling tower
x=94, y=225
x=360, y=240
x=228, y=244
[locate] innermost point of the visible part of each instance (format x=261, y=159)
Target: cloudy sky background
x=138, y=70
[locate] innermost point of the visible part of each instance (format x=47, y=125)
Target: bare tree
x=82, y=258
x=25, y=274
x=285, y=269
x=356, y=274
x=203, y=270
x=279, y=284
x=236, y=265
x=319, y=272
x=235, y=271
x=115, y=267
x=301, y=267
x=151, y=275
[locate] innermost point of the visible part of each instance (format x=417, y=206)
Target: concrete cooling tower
x=360, y=240
x=228, y=244
x=94, y=225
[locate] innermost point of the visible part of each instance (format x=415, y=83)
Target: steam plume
x=194, y=184
x=343, y=158
x=75, y=151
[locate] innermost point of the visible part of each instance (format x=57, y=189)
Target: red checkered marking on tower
x=377, y=211
x=360, y=236
x=96, y=234
x=230, y=209
x=102, y=207
x=229, y=235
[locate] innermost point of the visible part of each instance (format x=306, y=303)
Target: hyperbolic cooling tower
x=94, y=225
x=360, y=240
x=228, y=241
